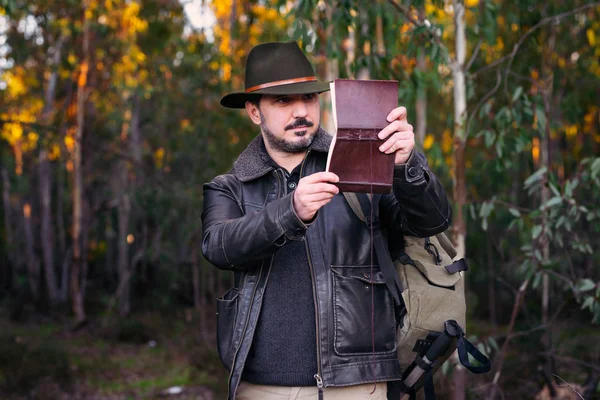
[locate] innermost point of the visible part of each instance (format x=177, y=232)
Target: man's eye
x=283, y=100
x=310, y=96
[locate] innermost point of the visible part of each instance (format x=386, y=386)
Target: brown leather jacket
x=247, y=216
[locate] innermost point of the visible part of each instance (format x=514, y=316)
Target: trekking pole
x=422, y=365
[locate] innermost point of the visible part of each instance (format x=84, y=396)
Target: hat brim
x=239, y=99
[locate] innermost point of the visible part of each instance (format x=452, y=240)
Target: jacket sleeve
x=231, y=238
x=419, y=206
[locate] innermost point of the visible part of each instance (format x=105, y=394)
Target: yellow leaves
x=31, y=142
x=159, y=157
x=15, y=82
x=499, y=44
x=535, y=150
x=591, y=37
x=447, y=141
x=27, y=210
x=130, y=19
x=514, y=27
x=54, y=152
x=222, y=8
x=428, y=142
x=266, y=14
x=226, y=72
x=571, y=130
x=12, y=132
x=83, y=74
x=471, y=3
x=535, y=75
x=561, y=62
x=70, y=143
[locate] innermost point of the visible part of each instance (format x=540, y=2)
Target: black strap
x=405, y=259
x=392, y=280
x=428, y=387
x=464, y=349
x=456, y=266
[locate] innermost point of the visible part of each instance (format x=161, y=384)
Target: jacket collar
x=255, y=162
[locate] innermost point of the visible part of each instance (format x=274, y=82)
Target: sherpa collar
x=254, y=161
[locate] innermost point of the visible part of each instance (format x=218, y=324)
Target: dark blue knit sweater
x=284, y=350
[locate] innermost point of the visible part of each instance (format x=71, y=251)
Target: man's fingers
x=403, y=137
x=318, y=197
x=396, y=126
x=322, y=177
x=398, y=113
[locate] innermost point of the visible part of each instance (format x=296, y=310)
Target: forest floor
x=142, y=357
x=172, y=356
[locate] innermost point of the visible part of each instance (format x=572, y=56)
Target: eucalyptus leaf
x=585, y=285
x=536, y=231
x=514, y=212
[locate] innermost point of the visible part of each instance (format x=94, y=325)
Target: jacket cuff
x=293, y=227
x=412, y=177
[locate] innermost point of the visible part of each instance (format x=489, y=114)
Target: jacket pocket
x=227, y=307
x=363, y=311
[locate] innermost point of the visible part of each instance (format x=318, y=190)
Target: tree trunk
x=123, y=254
x=60, y=219
x=7, y=222
x=47, y=242
x=327, y=68
x=421, y=103
x=45, y=180
x=460, y=118
x=33, y=265
x=76, y=292
x=459, y=178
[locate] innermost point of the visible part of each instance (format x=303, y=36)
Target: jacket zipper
x=317, y=376
x=252, y=297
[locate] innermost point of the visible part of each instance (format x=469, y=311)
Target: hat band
x=280, y=83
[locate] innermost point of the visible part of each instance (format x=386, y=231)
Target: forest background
x=110, y=123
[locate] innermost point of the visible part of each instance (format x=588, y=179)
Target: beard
x=286, y=146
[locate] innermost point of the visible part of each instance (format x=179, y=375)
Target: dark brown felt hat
x=276, y=68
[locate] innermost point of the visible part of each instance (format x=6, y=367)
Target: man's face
x=289, y=122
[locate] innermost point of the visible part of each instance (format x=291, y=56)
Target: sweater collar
x=255, y=162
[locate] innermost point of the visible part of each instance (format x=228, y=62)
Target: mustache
x=302, y=122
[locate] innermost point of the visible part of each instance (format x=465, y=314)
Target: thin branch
x=555, y=18
x=511, y=326
x=402, y=9
x=510, y=56
x=569, y=385
x=572, y=360
x=523, y=77
x=474, y=55
x=483, y=100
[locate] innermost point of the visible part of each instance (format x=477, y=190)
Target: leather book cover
x=360, y=108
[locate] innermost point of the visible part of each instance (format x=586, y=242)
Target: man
x=299, y=322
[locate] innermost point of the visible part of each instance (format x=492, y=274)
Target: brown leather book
x=360, y=108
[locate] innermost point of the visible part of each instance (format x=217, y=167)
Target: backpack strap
x=361, y=208
x=354, y=204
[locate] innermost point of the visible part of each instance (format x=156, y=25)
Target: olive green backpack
x=432, y=288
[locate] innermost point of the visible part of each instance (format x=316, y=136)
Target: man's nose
x=300, y=109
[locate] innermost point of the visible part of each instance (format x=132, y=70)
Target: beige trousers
x=250, y=391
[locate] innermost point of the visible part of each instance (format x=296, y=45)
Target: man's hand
x=313, y=192
x=399, y=134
